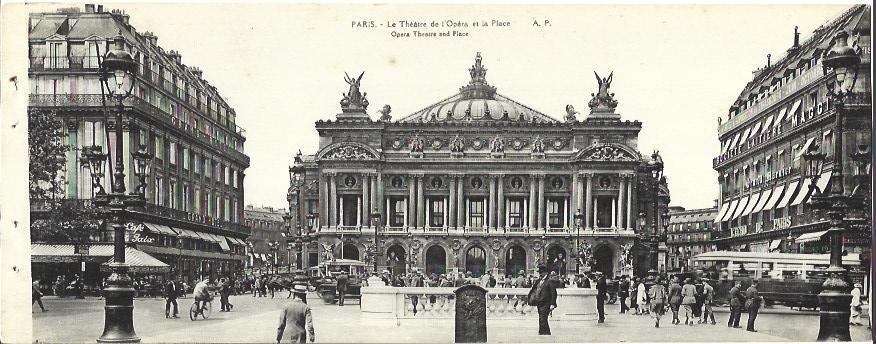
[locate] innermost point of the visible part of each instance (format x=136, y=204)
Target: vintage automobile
x=325, y=281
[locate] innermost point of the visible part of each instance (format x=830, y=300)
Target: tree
x=48, y=155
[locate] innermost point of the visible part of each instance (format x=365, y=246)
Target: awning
x=774, y=198
x=730, y=209
x=735, y=141
x=756, y=130
x=781, y=116
x=764, y=197
x=823, y=180
x=162, y=229
x=786, y=198
x=139, y=262
x=742, y=204
x=722, y=212
x=751, y=203
x=187, y=233
x=809, y=237
x=805, y=148
x=238, y=241
x=774, y=245
x=745, y=135
x=768, y=123
x=805, y=190
x=795, y=107
x=223, y=243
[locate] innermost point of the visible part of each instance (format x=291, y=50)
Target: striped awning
x=809, y=237
x=764, y=196
x=730, y=210
x=795, y=107
x=137, y=261
x=187, y=233
x=755, y=198
x=140, y=262
x=804, y=193
x=786, y=198
x=768, y=123
x=236, y=241
x=742, y=204
x=722, y=212
x=804, y=148
x=774, y=198
x=223, y=243
x=823, y=180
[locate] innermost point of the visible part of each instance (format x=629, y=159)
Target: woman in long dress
x=642, y=298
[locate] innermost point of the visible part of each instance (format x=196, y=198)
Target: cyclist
x=202, y=294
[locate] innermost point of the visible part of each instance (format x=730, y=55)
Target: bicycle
x=205, y=310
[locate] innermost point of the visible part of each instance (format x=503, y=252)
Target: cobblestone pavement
x=255, y=320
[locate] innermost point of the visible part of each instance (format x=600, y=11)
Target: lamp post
x=579, y=218
x=275, y=247
x=656, y=168
x=834, y=299
x=117, y=73
x=375, y=219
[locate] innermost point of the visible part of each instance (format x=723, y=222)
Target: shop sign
x=137, y=235
x=739, y=231
x=782, y=223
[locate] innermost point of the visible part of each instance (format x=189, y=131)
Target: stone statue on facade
x=537, y=144
x=384, y=113
x=328, y=251
x=497, y=145
x=417, y=144
x=354, y=99
x=457, y=144
x=570, y=113
x=603, y=101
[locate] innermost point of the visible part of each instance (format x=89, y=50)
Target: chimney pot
x=89, y=8
x=99, y=8
x=796, y=37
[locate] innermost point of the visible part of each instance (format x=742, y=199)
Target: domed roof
x=477, y=101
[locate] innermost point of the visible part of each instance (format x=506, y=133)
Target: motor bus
x=792, y=279
x=323, y=278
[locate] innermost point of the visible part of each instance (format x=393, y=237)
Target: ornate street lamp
x=375, y=221
x=117, y=75
x=579, y=219
x=834, y=299
x=275, y=247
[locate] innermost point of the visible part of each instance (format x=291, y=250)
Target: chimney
x=174, y=55
x=768, y=60
x=99, y=8
x=89, y=8
x=197, y=72
x=796, y=37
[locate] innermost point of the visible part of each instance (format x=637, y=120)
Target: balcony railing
x=194, y=218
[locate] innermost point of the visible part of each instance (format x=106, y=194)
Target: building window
x=515, y=212
x=187, y=201
x=555, y=212
x=172, y=199
x=397, y=209
x=476, y=212
x=436, y=216
x=350, y=206
x=197, y=163
x=157, y=193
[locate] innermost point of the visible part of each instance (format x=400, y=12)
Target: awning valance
x=809, y=237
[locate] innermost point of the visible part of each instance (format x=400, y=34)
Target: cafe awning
x=805, y=190
x=751, y=203
x=722, y=212
x=786, y=198
x=809, y=237
x=775, y=244
x=186, y=233
x=764, y=197
x=774, y=198
x=224, y=244
x=138, y=261
x=823, y=180
x=742, y=204
x=160, y=229
x=730, y=209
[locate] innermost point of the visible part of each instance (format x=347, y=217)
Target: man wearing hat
x=297, y=318
x=342, y=282
x=543, y=296
x=601, y=294
x=856, y=305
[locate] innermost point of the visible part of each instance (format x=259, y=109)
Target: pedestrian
x=737, y=302
x=171, y=292
x=708, y=298
x=342, y=287
x=224, y=292
x=856, y=305
x=519, y=281
x=752, y=304
x=255, y=287
x=634, y=293
x=36, y=295
x=674, y=299
x=688, y=299
x=700, y=298
x=297, y=318
x=623, y=292
x=492, y=283
x=642, y=298
x=657, y=295
x=543, y=296
x=601, y=294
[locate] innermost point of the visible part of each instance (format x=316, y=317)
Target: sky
x=676, y=68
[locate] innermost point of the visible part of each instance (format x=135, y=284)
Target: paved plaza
x=255, y=320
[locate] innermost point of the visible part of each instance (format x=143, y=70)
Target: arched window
x=475, y=261
x=436, y=260
x=351, y=252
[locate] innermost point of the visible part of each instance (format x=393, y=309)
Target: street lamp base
x=119, y=310
x=834, y=307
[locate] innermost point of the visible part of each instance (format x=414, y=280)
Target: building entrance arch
x=515, y=260
x=476, y=261
x=436, y=260
x=605, y=260
x=350, y=252
x=557, y=259
x=396, y=260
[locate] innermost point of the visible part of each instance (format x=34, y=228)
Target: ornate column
x=620, y=201
x=500, y=201
x=376, y=196
x=460, y=202
x=365, y=219
x=323, y=200
x=532, y=201
x=421, y=202
x=613, y=214
x=491, y=220
x=333, y=200
x=412, y=201
x=541, y=207
x=451, y=201
x=573, y=199
x=629, y=199
x=588, y=202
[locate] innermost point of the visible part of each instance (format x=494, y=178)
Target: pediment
x=348, y=151
x=56, y=37
x=607, y=152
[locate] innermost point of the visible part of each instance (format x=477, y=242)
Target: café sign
x=137, y=235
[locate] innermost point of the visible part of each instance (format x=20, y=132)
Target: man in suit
x=224, y=293
x=752, y=303
x=171, y=291
x=601, y=294
x=296, y=318
x=543, y=296
x=737, y=302
x=36, y=295
x=623, y=292
x=342, y=282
